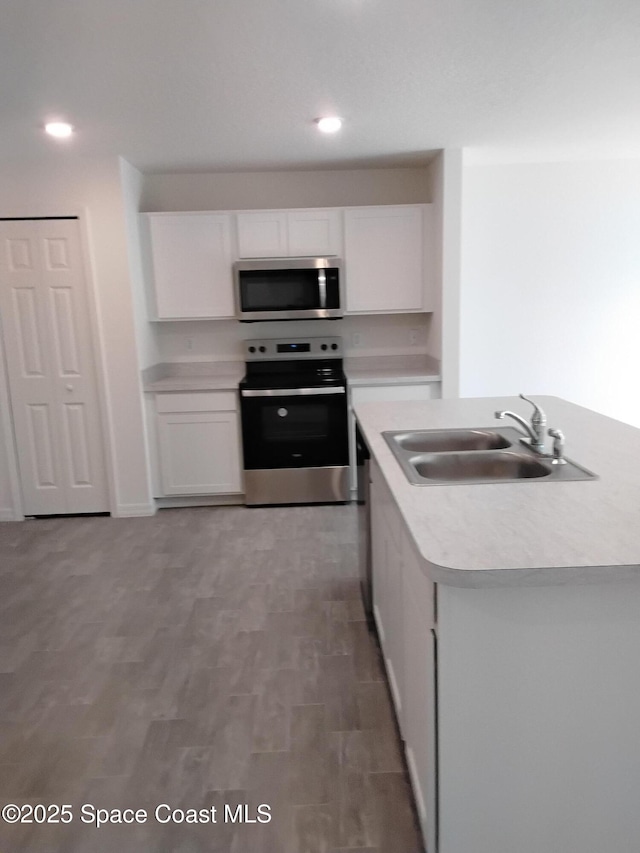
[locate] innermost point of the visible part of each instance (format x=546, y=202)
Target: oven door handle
x=290, y=392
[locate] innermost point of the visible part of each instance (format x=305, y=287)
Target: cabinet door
x=420, y=697
x=192, y=258
x=384, y=259
x=314, y=232
x=378, y=564
x=263, y=234
x=387, y=593
x=199, y=453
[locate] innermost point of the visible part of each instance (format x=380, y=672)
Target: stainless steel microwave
x=288, y=289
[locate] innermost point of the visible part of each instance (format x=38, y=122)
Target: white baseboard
x=194, y=500
x=134, y=510
x=10, y=515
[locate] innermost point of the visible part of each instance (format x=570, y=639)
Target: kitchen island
x=509, y=618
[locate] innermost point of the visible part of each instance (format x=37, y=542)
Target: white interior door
x=46, y=330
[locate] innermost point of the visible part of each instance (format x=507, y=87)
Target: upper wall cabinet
x=192, y=256
x=387, y=258
x=289, y=233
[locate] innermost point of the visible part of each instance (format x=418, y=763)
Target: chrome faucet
x=535, y=430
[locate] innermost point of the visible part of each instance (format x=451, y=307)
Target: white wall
x=550, y=293
x=256, y=190
x=444, y=342
x=132, y=188
x=68, y=184
x=221, y=340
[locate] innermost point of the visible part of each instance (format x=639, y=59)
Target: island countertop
x=528, y=533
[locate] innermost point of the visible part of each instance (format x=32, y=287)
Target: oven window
x=294, y=432
x=295, y=423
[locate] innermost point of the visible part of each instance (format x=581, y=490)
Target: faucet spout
x=526, y=426
x=535, y=431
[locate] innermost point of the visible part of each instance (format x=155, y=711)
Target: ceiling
x=229, y=85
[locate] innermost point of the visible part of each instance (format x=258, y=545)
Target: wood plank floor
x=199, y=658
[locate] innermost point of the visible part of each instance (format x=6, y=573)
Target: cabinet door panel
x=384, y=256
x=314, y=232
x=199, y=453
x=263, y=234
x=387, y=591
x=192, y=261
x=420, y=699
x=197, y=401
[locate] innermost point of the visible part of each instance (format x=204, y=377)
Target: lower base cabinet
x=387, y=594
x=199, y=443
x=420, y=651
x=403, y=604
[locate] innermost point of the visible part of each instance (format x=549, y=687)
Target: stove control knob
x=282, y=412
x=334, y=346
x=252, y=349
x=262, y=349
x=324, y=346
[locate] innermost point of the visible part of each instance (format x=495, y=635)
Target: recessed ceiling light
x=59, y=129
x=329, y=124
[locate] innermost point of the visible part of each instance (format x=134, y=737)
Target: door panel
x=56, y=253
x=64, y=333
x=41, y=450
x=51, y=368
x=27, y=333
x=20, y=256
x=76, y=434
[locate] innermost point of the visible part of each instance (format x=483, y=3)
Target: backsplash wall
x=221, y=340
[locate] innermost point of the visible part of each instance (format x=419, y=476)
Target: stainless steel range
x=293, y=403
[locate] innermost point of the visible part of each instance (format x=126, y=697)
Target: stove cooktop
x=299, y=375
x=294, y=363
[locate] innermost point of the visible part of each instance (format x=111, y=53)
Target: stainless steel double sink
x=447, y=456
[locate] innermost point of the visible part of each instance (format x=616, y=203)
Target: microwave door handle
x=322, y=288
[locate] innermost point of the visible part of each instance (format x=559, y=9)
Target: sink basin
x=479, y=467
x=435, y=457
x=446, y=440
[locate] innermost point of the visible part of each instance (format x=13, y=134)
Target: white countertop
x=194, y=376
x=526, y=533
x=225, y=375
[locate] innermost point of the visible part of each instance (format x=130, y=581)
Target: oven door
x=294, y=427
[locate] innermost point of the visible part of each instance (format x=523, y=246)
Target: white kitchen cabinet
x=403, y=606
x=388, y=259
x=315, y=232
x=386, y=563
x=191, y=260
x=420, y=698
x=199, y=443
x=289, y=233
x=262, y=234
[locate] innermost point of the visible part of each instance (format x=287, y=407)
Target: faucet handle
x=538, y=418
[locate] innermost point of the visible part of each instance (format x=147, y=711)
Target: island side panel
x=539, y=719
